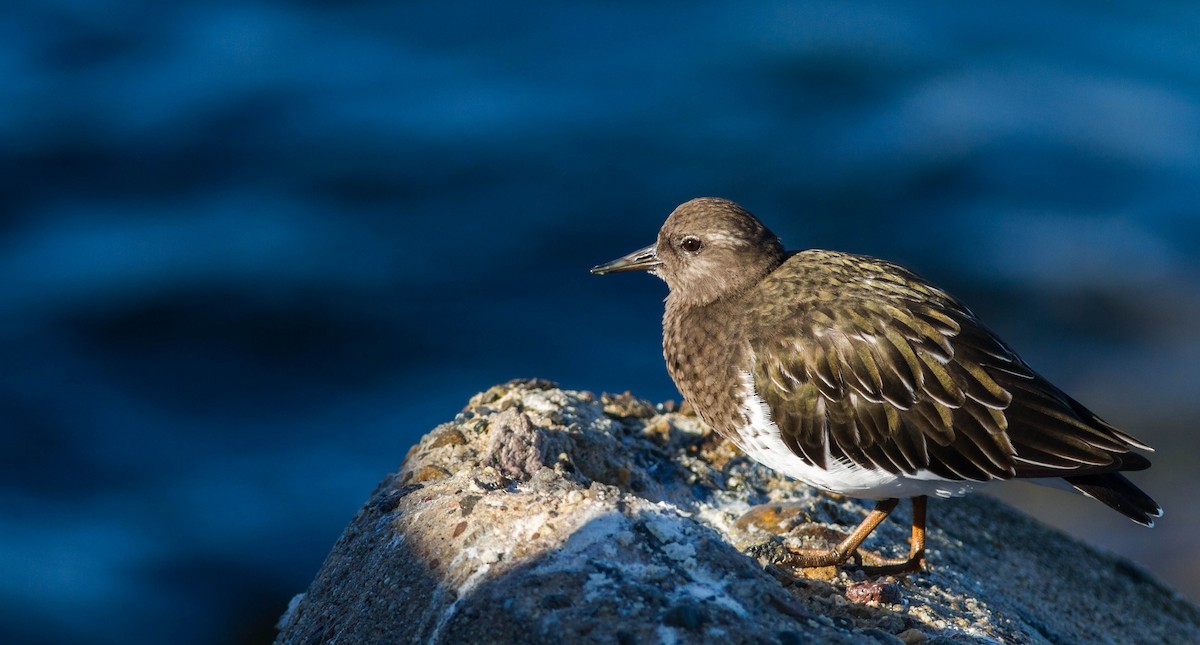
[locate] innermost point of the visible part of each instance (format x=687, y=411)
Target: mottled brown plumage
x=860, y=366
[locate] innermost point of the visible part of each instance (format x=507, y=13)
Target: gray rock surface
x=545, y=515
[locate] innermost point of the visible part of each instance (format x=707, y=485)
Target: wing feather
x=886, y=372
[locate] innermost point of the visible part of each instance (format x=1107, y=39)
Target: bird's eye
x=691, y=244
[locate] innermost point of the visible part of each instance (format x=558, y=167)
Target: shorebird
x=857, y=376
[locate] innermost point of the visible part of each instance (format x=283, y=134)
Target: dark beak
x=640, y=260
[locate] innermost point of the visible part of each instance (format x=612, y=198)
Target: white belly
x=760, y=439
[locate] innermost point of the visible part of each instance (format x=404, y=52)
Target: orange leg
x=847, y=547
x=916, y=550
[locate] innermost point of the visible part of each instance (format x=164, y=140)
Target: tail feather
x=1119, y=494
x=1132, y=461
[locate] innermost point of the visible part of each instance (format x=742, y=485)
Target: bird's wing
x=899, y=376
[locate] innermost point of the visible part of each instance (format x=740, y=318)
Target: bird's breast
x=701, y=349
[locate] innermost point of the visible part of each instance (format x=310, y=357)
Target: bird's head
x=707, y=248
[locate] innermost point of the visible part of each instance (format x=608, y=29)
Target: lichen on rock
x=546, y=515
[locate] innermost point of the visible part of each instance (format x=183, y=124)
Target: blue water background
x=251, y=251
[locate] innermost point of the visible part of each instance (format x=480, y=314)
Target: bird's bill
x=640, y=260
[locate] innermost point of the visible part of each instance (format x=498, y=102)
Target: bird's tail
x=1119, y=494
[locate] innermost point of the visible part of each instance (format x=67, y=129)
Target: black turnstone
x=856, y=376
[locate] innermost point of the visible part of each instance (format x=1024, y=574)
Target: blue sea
x=251, y=251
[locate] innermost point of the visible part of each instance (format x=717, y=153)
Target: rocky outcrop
x=545, y=515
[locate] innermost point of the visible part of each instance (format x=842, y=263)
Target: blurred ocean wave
x=254, y=250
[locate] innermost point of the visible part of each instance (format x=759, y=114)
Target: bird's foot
x=874, y=565
x=823, y=563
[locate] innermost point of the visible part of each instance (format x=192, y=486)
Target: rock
x=545, y=515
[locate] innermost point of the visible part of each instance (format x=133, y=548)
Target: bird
x=857, y=376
